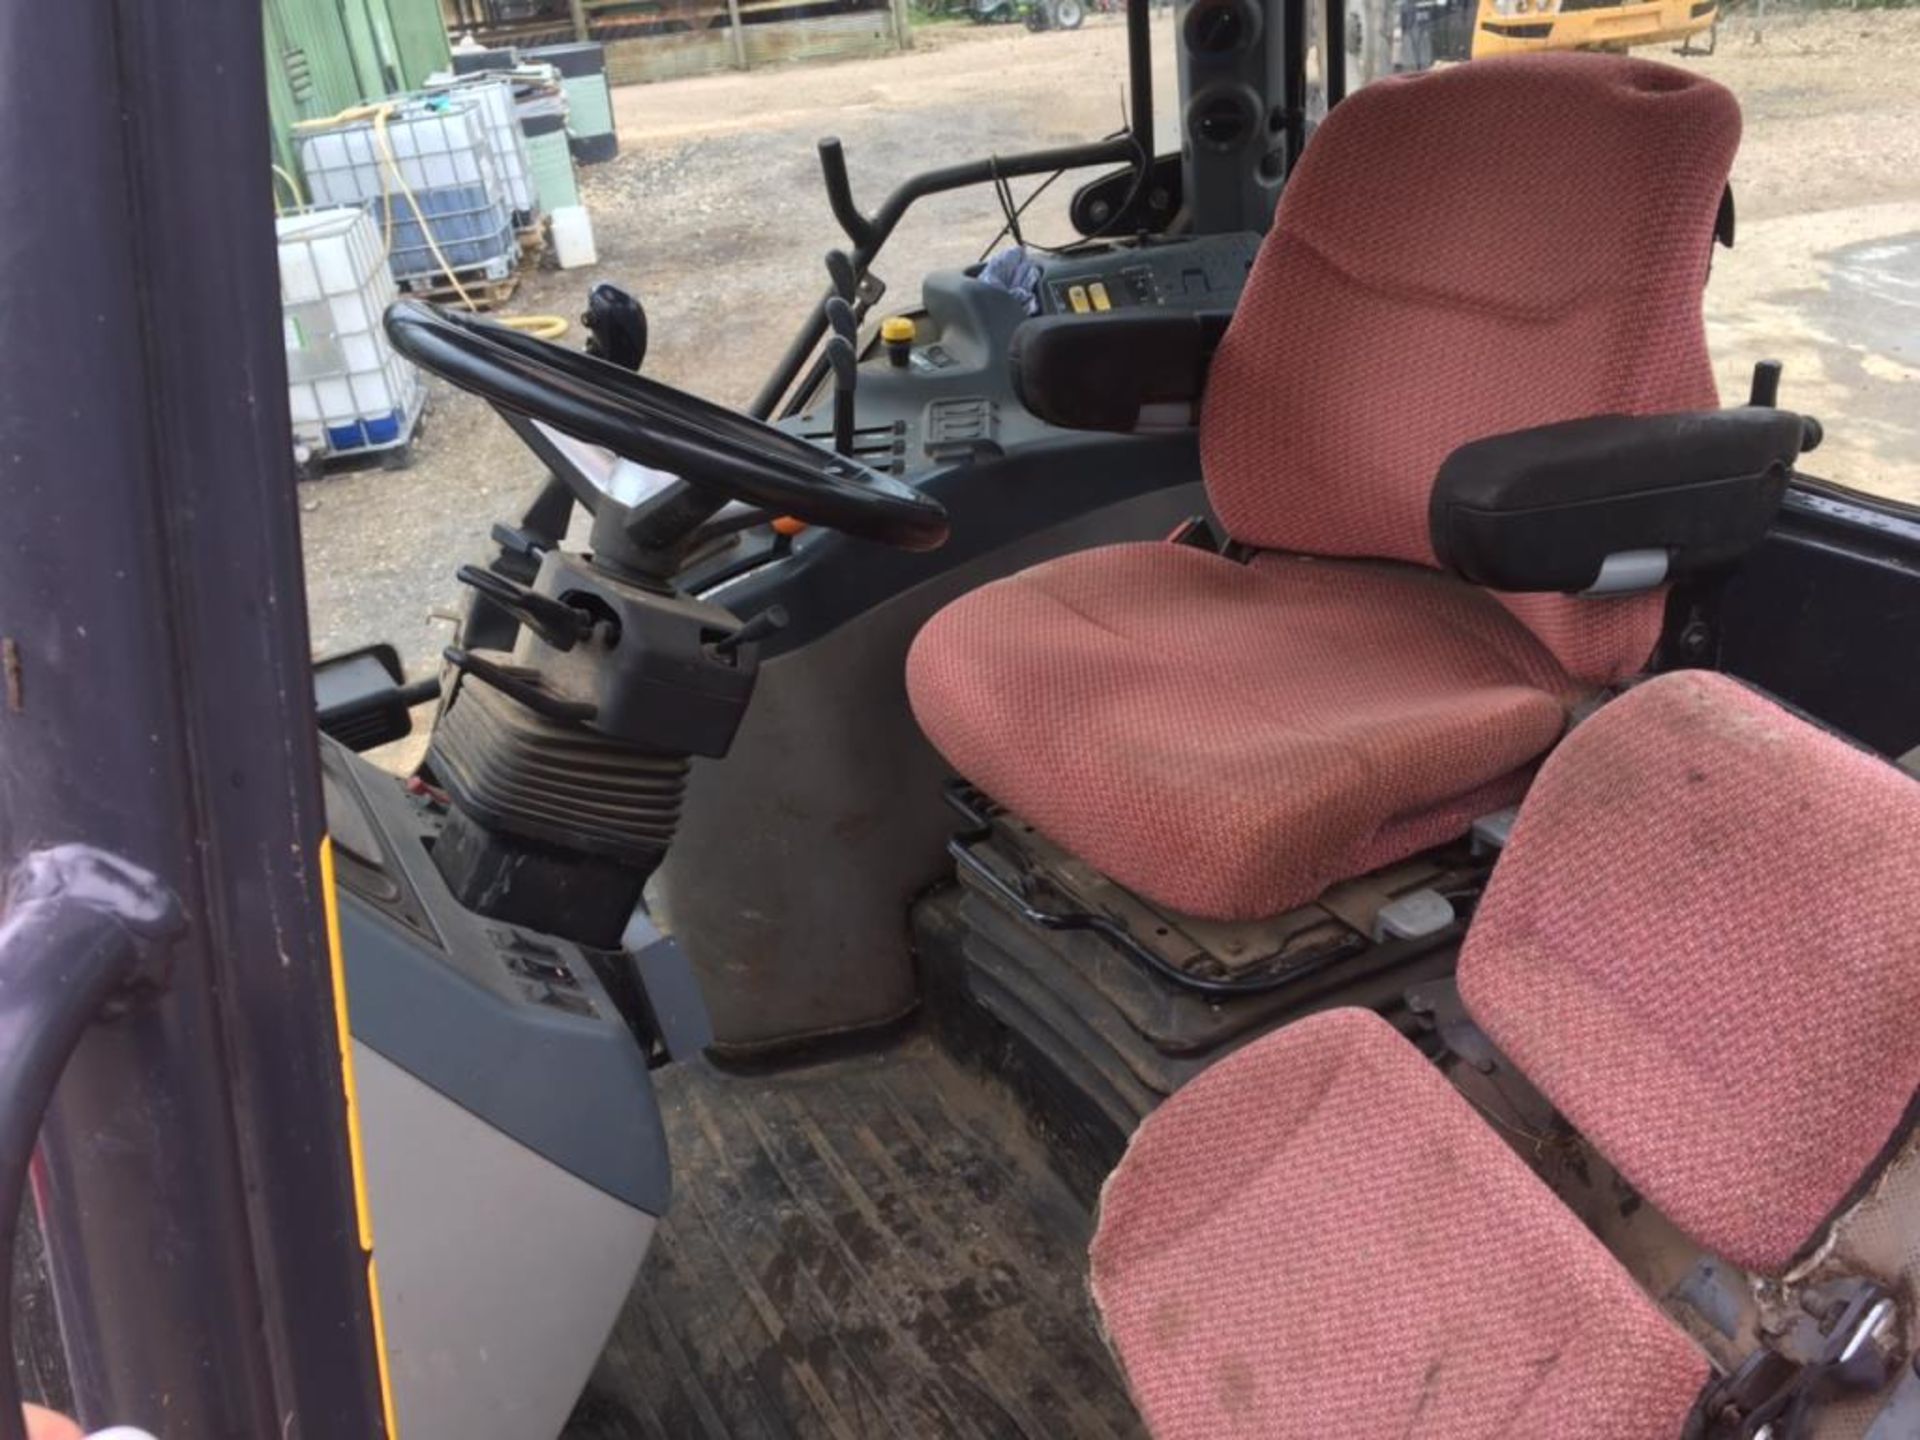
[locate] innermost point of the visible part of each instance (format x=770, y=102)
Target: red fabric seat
x=1371, y=710
x=1319, y=1238
x=1423, y=285
x=1703, y=945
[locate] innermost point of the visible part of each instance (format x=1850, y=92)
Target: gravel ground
x=714, y=215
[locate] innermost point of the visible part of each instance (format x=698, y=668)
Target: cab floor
x=868, y=1247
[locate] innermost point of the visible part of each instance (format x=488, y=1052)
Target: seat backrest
x=1703, y=945
x=1460, y=253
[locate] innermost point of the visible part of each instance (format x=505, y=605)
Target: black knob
x=616, y=327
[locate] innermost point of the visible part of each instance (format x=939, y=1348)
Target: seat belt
x=1845, y=1341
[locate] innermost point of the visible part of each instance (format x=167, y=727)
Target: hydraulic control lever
x=846, y=375
x=842, y=275
x=842, y=321
x=842, y=353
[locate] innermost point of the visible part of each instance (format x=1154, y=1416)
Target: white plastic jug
x=573, y=237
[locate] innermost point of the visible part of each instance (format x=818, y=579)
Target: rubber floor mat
x=869, y=1247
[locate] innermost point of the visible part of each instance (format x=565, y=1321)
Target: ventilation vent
x=299, y=73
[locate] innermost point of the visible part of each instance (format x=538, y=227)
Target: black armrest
x=1115, y=371
x=1616, y=502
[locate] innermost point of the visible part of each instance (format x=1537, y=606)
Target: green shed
x=326, y=55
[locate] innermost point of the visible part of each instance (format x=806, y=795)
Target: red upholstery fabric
x=1460, y=253
x=1230, y=739
x=1318, y=1239
x=1703, y=944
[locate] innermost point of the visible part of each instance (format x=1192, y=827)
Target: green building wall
x=326, y=55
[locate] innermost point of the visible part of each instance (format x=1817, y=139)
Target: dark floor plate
x=870, y=1247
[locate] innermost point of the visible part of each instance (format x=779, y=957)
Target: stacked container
x=440, y=150
x=493, y=92
x=349, y=391
x=583, y=73
x=543, y=122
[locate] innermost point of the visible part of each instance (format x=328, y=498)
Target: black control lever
x=842, y=321
x=846, y=374
x=773, y=618
x=844, y=278
x=554, y=621
x=518, y=683
x=616, y=327
x=1765, y=394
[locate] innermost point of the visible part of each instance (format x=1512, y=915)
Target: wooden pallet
x=486, y=294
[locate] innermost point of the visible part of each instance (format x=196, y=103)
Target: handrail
x=74, y=928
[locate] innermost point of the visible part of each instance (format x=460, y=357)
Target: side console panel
x=516, y=1160
x=501, y=1273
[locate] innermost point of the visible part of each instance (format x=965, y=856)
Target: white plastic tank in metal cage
x=425, y=170
x=348, y=389
x=494, y=92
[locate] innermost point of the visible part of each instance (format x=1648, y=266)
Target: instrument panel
x=1205, y=272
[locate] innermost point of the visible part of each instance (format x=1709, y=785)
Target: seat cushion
x=1703, y=945
x=1318, y=1237
x=1226, y=739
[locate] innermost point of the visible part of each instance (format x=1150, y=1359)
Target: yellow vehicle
x=1506, y=27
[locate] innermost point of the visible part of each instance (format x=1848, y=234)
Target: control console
x=939, y=390
x=1204, y=273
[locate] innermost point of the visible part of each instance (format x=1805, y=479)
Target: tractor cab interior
x=1293, y=768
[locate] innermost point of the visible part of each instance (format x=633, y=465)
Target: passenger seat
x=1703, y=945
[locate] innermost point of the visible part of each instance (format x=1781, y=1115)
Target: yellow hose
x=293, y=188
x=542, y=327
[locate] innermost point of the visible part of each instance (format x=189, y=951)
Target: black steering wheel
x=711, y=448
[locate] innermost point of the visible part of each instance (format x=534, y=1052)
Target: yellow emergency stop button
x=1097, y=293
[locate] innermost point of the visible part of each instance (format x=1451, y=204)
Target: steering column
x=564, y=759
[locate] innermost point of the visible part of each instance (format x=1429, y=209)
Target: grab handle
x=75, y=926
